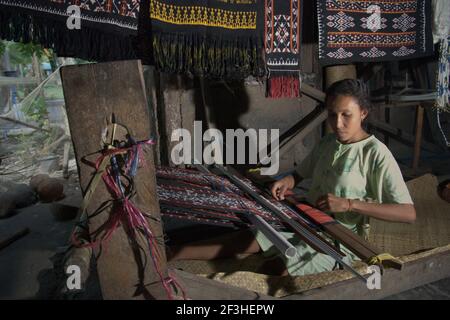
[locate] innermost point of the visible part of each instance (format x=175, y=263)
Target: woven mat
x=432, y=226
x=277, y=286
x=431, y=230
x=237, y=272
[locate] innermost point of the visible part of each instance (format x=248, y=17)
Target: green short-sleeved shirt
x=365, y=170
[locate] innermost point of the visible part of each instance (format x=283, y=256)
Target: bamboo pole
x=23, y=123
x=418, y=138
x=13, y=238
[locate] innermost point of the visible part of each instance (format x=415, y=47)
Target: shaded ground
x=23, y=262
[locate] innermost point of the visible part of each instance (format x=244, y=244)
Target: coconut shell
x=23, y=195
x=8, y=205
x=444, y=190
x=445, y=194
x=50, y=190
x=37, y=180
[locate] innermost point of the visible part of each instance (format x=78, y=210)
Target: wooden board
x=415, y=273
x=93, y=92
x=201, y=288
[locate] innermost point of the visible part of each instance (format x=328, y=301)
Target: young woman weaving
x=354, y=176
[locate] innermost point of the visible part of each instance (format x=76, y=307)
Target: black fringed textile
x=282, y=35
x=108, y=27
x=363, y=31
x=208, y=38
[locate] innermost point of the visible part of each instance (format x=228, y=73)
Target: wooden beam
x=16, y=236
x=297, y=132
x=306, y=125
x=313, y=93
x=152, y=85
x=201, y=288
x=401, y=136
x=93, y=92
x=396, y=105
x=418, y=138
x=4, y=81
x=414, y=274
x=169, y=114
x=23, y=123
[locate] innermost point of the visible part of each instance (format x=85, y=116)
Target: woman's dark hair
x=350, y=87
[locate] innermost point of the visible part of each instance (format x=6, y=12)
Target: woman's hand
x=280, y=187
x=330, y=202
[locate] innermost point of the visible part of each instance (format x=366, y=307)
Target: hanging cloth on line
x=282, y=41
x=207, y=38
x=443, y=81
x=106, y=29
x=369, y=31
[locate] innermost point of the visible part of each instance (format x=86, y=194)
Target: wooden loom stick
x=298, y=218
x=293, y=224
x=6, y=242
x=362, y=248
x=303, y=223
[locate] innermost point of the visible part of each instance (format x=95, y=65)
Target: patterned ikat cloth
x=364, y=31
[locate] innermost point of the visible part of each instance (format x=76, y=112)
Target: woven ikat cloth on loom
x=106, y=26
x=209, y=38
x=282, y=40
x=361, y=31
x=209, y=199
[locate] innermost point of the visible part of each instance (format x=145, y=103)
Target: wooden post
x=16, y=236
x=152, y=86
x=66, y=147
x=93, y=92
x=418, y=138
x=169, y=114
x=336, y=73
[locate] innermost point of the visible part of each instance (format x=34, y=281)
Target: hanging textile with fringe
x=443, y=83
x=282, y=31
x=207, y=38
x=368, y=31
x=107, y=28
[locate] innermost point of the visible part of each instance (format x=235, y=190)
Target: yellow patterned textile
x=207, y=38
x=205, y=16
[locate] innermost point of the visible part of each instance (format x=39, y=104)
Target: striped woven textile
x=282, y=42
x=206, y=198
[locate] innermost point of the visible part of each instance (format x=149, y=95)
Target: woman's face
x=345, y=117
